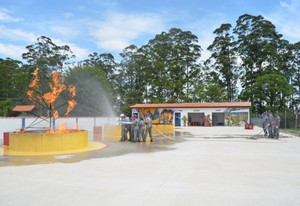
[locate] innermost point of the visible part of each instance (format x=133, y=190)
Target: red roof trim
x=23, y=108
x=194, y=105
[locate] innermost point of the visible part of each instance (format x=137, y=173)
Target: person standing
x=276, y=125
x=270, y=124
x=123, y=128
x=148, y=123
x=264, y=118
x=135, y=127
x=141, y=129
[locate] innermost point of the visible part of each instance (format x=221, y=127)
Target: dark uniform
x=276, y=125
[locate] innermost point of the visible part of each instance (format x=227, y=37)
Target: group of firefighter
x=136, y=129
x=271, y=124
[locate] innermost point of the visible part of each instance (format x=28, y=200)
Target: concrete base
x=48, y=141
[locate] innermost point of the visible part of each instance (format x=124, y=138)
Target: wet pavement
x=195, y=166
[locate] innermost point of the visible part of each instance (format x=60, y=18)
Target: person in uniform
x=148, y=123
x=264, y=118
x=123, y=128
x=141, y=129
x=270, y=124
x=135, y=128
x=276, y=125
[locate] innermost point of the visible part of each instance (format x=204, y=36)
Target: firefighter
x=264, y=118
x=123, y=128
x=270, y=124
x=135, y=128
x=276, y=125
x=141, y=129
x=148, y=123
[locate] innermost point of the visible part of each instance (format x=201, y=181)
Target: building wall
x=195, y=116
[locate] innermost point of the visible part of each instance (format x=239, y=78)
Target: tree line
x=249, y=61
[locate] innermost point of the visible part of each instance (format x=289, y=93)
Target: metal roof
x=194, y=105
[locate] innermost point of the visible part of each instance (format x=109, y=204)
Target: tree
x=295, y=79
x=132, y=82
x=172, y=67
x=14, y=78
x=261, y=50
x=271, y=91
x=222, y=61
x=209, y=92
x=47, y=56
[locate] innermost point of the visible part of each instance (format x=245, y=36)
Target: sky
x=109, y=26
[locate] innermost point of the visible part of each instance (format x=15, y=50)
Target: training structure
x=196, y=114
x=30, y=140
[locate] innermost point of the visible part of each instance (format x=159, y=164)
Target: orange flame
x=55, y=114
x=33, y=85
x=71, y=102
x=56, y=88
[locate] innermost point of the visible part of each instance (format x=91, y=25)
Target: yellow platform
x=48, y=141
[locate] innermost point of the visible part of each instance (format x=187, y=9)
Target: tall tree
x=295, y=79
x=14, y=79
x=261, y=50
x=173, y=65
x=47, y=56
x=271, y=91
x=222, y=61
x=132, y=83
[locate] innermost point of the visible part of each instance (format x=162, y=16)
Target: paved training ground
x=202, y=166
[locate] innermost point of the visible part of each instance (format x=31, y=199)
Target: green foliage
x=271, y=91
x=14, y=78
x=6, y=107
x=209, y=93
x=223, y=60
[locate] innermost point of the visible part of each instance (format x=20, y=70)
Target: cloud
x=12, y=51
x=4, y=17
x=119, y=30
x=17, y=34
x=80, y=53
x=287, y=19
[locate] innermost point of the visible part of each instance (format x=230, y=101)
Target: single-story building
x=196, y=114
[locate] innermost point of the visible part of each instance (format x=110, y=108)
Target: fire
x=33, y=85
x=56, y=88
x=71, y=102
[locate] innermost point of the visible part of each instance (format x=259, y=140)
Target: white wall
x=206, y=111
x=11, y=124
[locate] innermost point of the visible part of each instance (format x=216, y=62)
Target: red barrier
x=97, y=133
x=249, y=126
x=6, y=138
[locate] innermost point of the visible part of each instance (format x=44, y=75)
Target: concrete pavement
x=202, y=166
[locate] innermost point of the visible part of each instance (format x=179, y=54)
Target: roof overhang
x=195, y=105
x=23, y=108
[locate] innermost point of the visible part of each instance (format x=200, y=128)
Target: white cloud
x=287, y=20
x=80, y=53
x=12, y=51
x=63, y=31
x=17, y=34
x=119, y=30
x=4, y=17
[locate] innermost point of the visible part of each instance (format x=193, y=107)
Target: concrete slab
x=197, y=168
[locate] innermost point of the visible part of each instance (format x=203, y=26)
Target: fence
x=288, y=120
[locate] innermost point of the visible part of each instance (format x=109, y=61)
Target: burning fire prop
x=48, y=100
